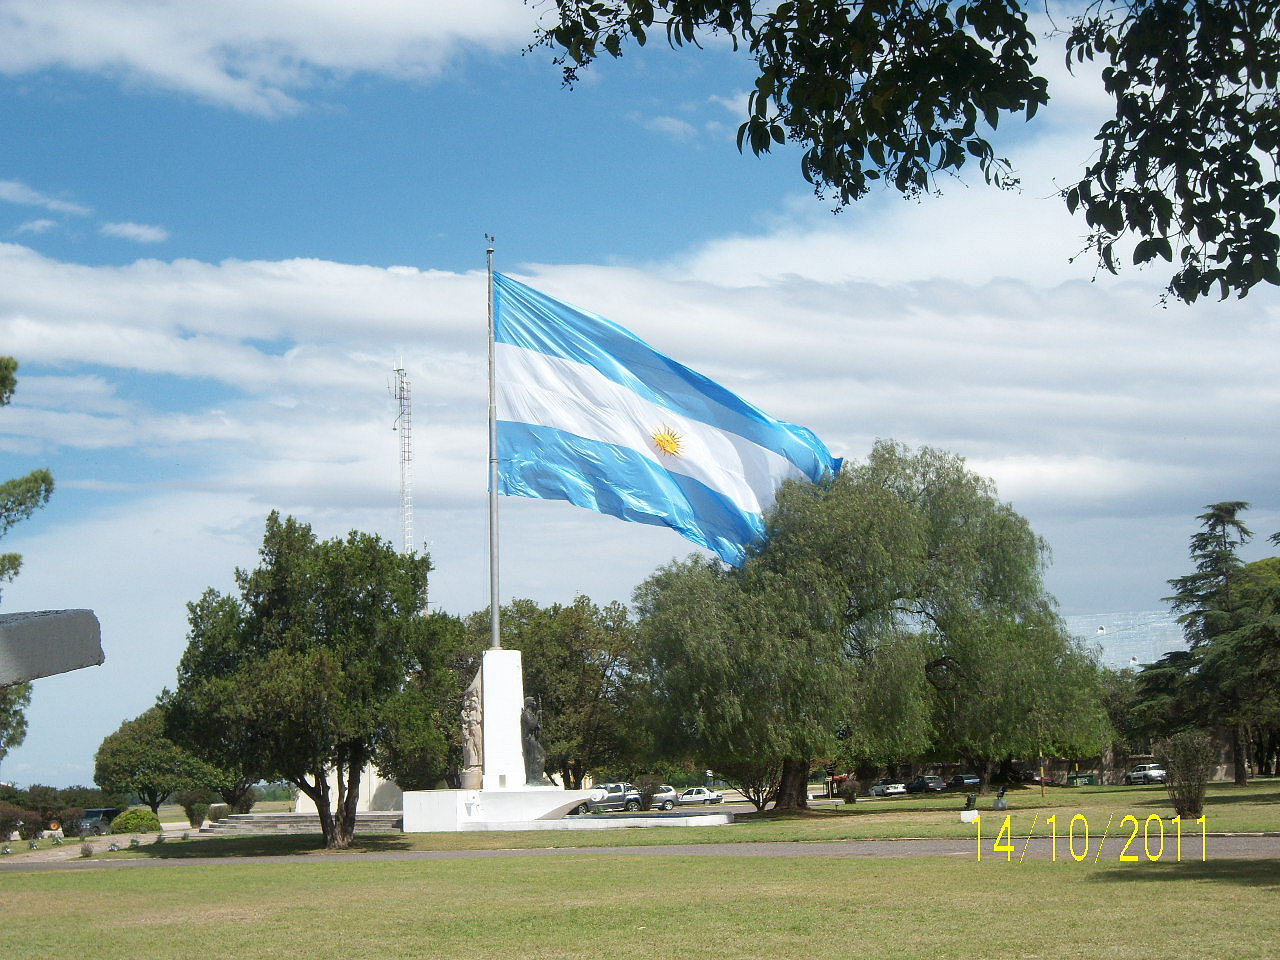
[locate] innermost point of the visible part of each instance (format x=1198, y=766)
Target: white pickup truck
x=1146, y=773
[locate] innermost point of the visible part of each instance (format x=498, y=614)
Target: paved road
x=1220, y=847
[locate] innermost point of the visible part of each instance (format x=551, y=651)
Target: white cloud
x=189, y=399
x=671, y=127
x=37, y=226
x=137, y=232
x=253, y=55
x=15, y=191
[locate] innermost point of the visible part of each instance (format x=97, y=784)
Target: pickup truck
x=1146, y=773
x=612, y=796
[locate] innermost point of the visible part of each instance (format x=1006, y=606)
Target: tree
x=899, y=92
x=419, y=738
x=1119, y=698
x=1189, y=163
x=294, y=676
x=14, y=701
x=1018, y=689
x=578, y=668
x=194, y=714
x=139, y=759
x=737, y=675
x=19, y=498
x=865, y=610
x=1206, y=602
x=1245, y=660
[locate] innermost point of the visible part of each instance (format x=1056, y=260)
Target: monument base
x=452, y=811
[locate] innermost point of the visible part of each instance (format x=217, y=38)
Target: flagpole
x=495, y=641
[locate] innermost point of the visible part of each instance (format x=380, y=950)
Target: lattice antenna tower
x=404, y=427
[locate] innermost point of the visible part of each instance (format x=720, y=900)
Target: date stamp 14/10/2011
x=1151, y=848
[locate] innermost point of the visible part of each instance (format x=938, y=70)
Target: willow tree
x=846, y=621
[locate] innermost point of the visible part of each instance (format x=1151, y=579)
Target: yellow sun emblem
x=668, y=441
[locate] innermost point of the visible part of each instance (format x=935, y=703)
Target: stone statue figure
x=535, y=754
x=472, y=739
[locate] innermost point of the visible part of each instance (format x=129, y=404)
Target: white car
x=888, y=788
x=700, y=795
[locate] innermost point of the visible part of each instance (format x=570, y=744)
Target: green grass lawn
x=1228, y=809
x=645, y=907
x=941, y=908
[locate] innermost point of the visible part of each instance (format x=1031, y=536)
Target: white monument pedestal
x=505, y=800
x=453, y=811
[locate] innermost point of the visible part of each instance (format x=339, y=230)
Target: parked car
x=888, y=788
x=97, y=820
x=964, y=781
x=1147, y=773
x=665, y=797
x=612, y=796
x=927, y=784
x=1032, y=776
x=700, y=795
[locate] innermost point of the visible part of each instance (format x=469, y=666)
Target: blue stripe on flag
x=548, y=464
x=528, y=318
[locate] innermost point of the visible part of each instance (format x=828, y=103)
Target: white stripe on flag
x=564, y=395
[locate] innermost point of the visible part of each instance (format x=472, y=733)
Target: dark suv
x=97, y=820
x=926, y=785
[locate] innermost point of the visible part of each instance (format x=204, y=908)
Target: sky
x=222, y=226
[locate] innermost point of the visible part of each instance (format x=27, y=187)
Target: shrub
x=194, y=803
x=86, y=849
x=245, y=801
x=647, y=785
x=849, y=790
x=1189, y=758
x=11, y=817
x=69, y=821
x=136, y=820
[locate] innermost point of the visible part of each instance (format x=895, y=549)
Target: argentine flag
x=589, y=413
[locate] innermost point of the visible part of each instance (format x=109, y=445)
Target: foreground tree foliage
x=895, y=611
x=293, y=678
x=1189, y=163
x=900, y=92
x=14, y=700
x=19, y=498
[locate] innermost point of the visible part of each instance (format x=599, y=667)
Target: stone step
x=244, y=824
